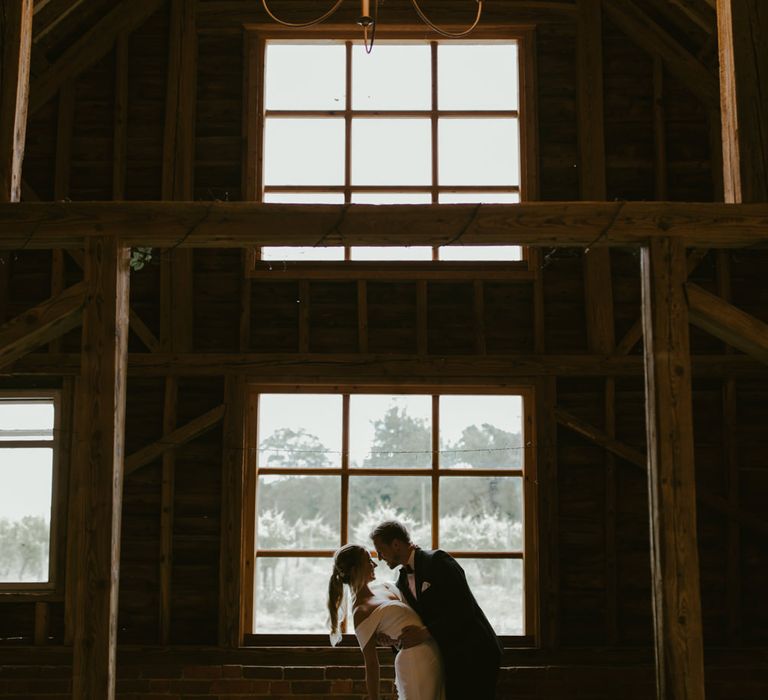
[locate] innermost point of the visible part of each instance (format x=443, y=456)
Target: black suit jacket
x=469, y=646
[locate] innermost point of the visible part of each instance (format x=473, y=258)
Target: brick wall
x=163, y=675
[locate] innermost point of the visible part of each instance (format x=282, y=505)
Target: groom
x=434, y=585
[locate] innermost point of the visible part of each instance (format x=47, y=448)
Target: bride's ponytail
x=335, y=594
x=347, y=568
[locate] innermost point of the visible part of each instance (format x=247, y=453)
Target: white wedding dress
x=418, y=669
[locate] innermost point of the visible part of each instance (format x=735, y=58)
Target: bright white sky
x=320, y=415
x=25, y=474
x=392, y=151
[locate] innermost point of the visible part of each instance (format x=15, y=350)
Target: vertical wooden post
x=16, y=49
x=97, y=469
x=671, y=477
x=120, y=118
x=546, y=471
x=177, y=266
x=232, y=536
x=742, y=29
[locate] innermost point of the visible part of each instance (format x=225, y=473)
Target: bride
x=380, y=610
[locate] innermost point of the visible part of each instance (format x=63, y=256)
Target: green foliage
x=400, y=441
x=24, y=549
x=486, y=447
x=293, y=448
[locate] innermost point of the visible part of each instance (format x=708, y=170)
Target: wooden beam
x=50, y=14
x=383, y=370
x=659, y=132
x=671, y=474
x=97, y=479
x=120, y=119
x=179, y=134
x=232, y=527
x=648, y=35
x=174, y=439
x=635, y=333
x=64, y=129
x=742, y=28
x=138, y=326
x=90, y=47
x=547, y=491
x=598, y=286
x=616, y=447
x=167, y=503
x=737, y=328
x=696, y=16
x=16, y=48
x=639, y=459
x=45, y=225
x=41, y=324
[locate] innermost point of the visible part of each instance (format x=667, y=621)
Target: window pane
x=500, y=253
x=291, y=595
x=481, y=432
x=303, y=198
x=479, y=197
x=391, y=253
x=391, y=152
x=298, y=253
x=26, y=420
x=304, y=151
x=392, y=77
x=305, y=76
x=479, y=152
x=498, y=587
x=391, y=198
x=390, y=431
x=373, y=499
x=26, y=477
x=477, y=76
x=479, y=513
x=298, y=512
x=299, y=430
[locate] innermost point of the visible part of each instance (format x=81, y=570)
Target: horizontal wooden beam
x=174, y=439
x=737, y=328
x=638, y=459
x=383, y=370
x=48, y=225
x=43, y=323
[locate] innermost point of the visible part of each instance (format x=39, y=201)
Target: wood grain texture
x=175, y=438
x=231, y=557
x=737, y=328
x=16, y=50
x=38, y=225
x=742, y=27
x=43, y=323
x=89, y=48
x=651, y=37
x=671, y=474
x=97, y=469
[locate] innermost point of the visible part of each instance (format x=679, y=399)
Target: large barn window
x=328, y=466
x=28, y=458
x=413, y=122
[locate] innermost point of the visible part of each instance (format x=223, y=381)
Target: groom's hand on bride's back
x=384, y=640
x=413, y=635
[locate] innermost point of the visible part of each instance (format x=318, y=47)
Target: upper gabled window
x=28, y=459
x=413, y=122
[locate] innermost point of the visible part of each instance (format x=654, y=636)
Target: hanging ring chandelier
x=368, y=20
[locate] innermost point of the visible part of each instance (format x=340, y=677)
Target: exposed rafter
x=640, y=28
x=94, y=44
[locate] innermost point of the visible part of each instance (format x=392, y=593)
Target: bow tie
x=407, y=568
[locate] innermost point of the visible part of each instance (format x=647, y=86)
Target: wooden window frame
x=256, y=37
x=53, y=588
x=529, y=554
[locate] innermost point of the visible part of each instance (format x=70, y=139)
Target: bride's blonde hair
x=348, y=568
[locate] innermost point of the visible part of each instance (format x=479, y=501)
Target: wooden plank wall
x=600, y=527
